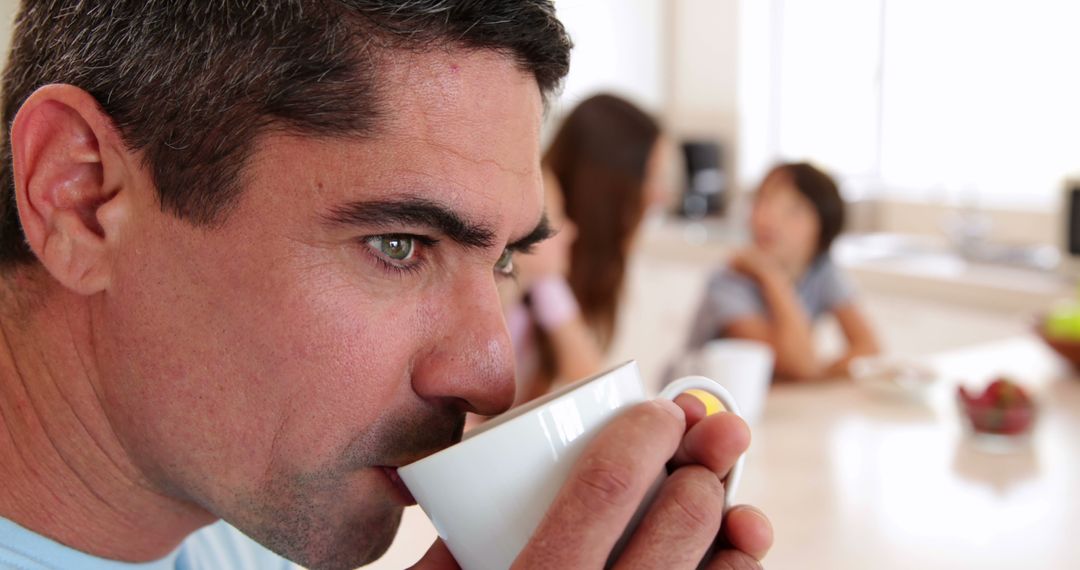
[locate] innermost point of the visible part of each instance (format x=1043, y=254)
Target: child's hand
x=756, y=264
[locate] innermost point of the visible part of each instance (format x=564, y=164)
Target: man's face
x=343, y=318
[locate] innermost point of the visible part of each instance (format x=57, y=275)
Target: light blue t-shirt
x=216, y=547
x=730, y=296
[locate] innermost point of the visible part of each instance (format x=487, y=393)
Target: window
x=961, y=101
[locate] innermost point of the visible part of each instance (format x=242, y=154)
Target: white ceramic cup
x=743, y=367
x=486, y=495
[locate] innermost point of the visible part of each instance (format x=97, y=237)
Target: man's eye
x=396, y=248
x=505, y=265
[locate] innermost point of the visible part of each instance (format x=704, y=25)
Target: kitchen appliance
x=1070, y=230
x=705, y=192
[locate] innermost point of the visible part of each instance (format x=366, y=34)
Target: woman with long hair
x=603, y=171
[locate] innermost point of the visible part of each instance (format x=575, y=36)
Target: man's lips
x=413, y=437
x=404, y=496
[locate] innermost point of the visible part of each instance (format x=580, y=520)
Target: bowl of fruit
x=1060, y=329
x=1002, y=414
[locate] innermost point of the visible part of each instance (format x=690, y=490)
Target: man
x=250, y=262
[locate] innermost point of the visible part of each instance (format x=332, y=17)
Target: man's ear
x=69, y=164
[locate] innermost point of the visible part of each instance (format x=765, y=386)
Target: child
x=774, y=290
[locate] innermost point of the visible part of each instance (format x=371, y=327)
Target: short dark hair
x=822, y=192
x=193, y=83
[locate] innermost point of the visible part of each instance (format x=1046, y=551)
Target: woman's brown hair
x=600, y=157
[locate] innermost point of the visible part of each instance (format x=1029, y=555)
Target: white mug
x=743, y=367
x=487, y=494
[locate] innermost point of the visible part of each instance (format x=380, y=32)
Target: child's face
x=784, y=222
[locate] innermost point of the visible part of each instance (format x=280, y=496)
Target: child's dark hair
x=821, y=190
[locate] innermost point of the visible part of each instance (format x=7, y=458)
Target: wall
x=619, y=47
x=703, y=58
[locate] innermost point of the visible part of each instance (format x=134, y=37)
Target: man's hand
x=611, y=479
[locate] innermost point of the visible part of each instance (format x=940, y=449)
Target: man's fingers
x=438, y=557
x=693, y=408
x=733, y=560
x=748, y=530
x=715, y=442
x=681, y=523
x=605, y=488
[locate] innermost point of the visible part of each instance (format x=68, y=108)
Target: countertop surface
x=853, y=478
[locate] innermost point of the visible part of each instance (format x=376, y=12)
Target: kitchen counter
x=856, y=479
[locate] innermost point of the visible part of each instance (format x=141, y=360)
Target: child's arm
x=785, y=326
x=577, y=353
x=786, y=329
x=860, y=338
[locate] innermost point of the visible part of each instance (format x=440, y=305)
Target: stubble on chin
x=344, y=516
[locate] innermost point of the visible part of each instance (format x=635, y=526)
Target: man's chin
x=323, y=537
x=370, y=545
x=358, y=544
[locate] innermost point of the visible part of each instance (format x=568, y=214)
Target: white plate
x=892, y=377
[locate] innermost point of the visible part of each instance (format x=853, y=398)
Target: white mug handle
x=671, y=391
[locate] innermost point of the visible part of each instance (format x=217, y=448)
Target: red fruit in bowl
x=1016, y=421
x=999, y=387
x=1002, y=408
x=1005, y=394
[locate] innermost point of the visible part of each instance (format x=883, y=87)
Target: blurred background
x=953, y=130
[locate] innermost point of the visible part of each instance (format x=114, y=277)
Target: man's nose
x=471, y=364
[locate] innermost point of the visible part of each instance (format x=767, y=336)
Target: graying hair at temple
x=192, y=84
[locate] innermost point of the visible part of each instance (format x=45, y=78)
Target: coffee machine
x=1070, y=243
x=705, y=193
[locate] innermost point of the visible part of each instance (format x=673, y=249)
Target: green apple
x=1064, y=322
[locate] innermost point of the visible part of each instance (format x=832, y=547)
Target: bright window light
x=963, y=101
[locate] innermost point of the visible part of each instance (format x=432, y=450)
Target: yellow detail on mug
x=712, y=403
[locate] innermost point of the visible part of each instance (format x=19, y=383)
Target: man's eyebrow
x=541, y=232
x=417, y=212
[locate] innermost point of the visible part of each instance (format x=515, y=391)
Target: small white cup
x=486, y=495
x=743, y=367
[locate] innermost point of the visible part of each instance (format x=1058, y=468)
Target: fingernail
x=712, y=403
x=758, y=514
x=672, y=408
